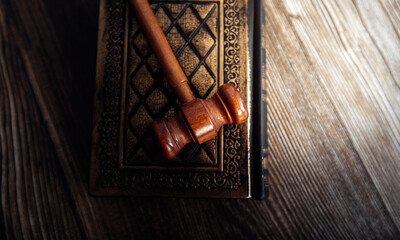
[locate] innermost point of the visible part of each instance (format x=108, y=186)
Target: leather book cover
x=212, y=41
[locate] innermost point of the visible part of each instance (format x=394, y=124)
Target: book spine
x=260, y=143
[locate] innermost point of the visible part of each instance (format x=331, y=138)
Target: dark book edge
x=259, y=125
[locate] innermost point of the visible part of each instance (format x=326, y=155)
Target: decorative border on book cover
x=109, y=175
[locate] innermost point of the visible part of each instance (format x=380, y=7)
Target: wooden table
x=333, y=75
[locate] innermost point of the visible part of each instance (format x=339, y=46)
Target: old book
x=213, y=42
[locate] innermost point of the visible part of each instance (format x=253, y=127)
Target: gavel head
x=199, y=120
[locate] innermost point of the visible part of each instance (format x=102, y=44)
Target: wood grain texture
x=333, y=73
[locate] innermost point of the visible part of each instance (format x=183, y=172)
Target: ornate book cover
x=212, y=41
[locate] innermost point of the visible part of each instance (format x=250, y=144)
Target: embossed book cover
x=213, y=42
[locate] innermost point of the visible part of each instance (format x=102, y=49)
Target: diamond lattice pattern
x=191, y=30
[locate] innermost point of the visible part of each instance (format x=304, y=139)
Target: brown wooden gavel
x=198, y=120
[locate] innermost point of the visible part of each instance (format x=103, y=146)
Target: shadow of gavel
x=198, y=120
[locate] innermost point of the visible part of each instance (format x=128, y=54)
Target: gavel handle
x=158, y=42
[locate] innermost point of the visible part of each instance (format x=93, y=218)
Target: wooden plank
x=351, y=53
x=32, y=203
x=315, y=160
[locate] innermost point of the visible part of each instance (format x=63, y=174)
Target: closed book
x=215, y=42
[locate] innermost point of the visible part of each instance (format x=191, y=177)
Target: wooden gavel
x=198, y=120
